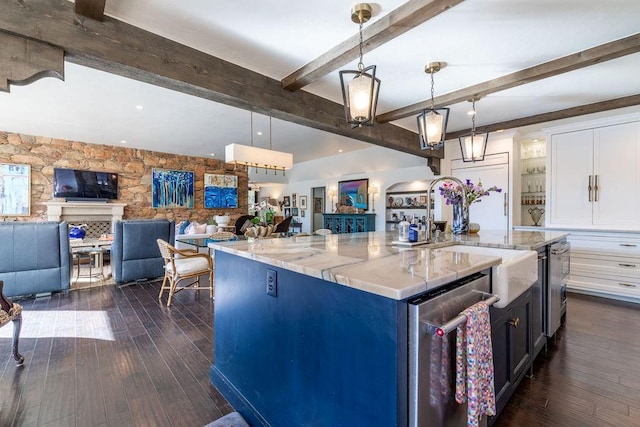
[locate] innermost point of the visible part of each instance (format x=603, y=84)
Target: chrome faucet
x=429, y=221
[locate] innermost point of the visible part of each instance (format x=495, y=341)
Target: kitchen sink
x=517, y=272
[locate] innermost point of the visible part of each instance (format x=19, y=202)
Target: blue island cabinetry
x=317, y=353
x=350, y=223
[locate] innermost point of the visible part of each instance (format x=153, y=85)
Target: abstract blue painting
x=220, y=191
x=172, y=189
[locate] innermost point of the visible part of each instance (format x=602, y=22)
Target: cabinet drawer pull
x=627, y=265
x=590, y=187
x=627, y=285
x=514, y=322
x=628, y=245
x=595, y=189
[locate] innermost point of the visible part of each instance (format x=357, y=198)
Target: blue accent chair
x=35, y=257
x=134, y=251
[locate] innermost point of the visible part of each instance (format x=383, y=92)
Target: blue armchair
x=134, y=251
x=35, y=257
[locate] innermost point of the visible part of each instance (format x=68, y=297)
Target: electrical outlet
x=272, y=283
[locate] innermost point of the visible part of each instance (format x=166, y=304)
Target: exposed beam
x=575, y=61
x=24, y=61
x=404, y=18
x=93, y=9
x=119, y=48
x=596, y=107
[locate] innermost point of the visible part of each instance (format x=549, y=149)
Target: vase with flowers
x=452, y=194
x=264, y=211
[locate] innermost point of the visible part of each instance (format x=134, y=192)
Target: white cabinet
x=492, y=213
x=595, y=178
x=605, y=264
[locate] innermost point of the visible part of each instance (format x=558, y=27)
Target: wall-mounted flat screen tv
x=73, y=184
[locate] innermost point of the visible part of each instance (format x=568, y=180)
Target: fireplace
x=93, y=214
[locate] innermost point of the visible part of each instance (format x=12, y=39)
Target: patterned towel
x=474, y=364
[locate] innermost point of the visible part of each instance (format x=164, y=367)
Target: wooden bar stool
x=11, y=312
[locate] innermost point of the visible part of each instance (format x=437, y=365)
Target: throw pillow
x=183, y=226
x=200, y=228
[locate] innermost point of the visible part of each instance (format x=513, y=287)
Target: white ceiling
x=479, y=39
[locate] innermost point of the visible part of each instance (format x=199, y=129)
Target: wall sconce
x=472, y=145
x=332, y=195
x=373, y=190
x=432, y=122
x=360, y=94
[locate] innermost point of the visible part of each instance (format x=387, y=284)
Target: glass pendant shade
x=473, y=146
x=432, y=125
x=360, y=95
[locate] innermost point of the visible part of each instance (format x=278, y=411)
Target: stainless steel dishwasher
x=556, y=292
x=433, y=318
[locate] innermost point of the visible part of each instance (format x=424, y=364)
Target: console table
x=350, y=223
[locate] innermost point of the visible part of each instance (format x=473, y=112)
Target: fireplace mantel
x=85, y=211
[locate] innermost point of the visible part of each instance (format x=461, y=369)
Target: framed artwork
x=354, y=193
x=317, y=205
x=15, y=189
x=171, y=189
x=287, y=212
x=294, y=211
x=220, y=191
x=302, y=211
x=423, y=200
x=303, y=202
x=287, y=201
x=294, y=202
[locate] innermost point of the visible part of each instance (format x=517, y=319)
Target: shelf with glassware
x=405, y=205
x=533, y=173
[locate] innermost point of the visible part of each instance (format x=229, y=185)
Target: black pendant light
x=473, y=145
x=432, y=122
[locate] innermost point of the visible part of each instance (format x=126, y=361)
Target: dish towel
x=474, y=364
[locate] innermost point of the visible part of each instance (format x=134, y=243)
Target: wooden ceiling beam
x=581, y=110
x=404, y=18
x=575, y=61
x=122, y=49
x=23, y=61
x=93, y=9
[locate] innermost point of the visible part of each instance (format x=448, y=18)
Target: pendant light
x=473, y=145
x=432, y=122
x=360, y=87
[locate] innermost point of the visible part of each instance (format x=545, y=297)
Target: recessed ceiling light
x=339, y=151
x=139, y=107
x=123, y=141
x=213, y=154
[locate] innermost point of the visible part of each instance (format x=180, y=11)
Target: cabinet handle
x=514, y=322
x=627, y=285
x=590, y=188
x=628, y=245
x=506, y=205
x=627, y=265
x=595, y=188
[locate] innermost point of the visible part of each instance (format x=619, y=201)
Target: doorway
x=317, y=208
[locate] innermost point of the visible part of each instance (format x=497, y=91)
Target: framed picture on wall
x=287, y=212
x=317, y=205
x=15, y=189
x=294, y=211
x=287, y=201
x=294, y=202
x=303, y=202
x=220, y=191
x=171, y=189
x=354, y=193
x=302, y=213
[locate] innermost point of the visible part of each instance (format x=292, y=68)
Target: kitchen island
x=313, y=330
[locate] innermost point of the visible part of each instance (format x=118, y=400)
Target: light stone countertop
x=371, y=263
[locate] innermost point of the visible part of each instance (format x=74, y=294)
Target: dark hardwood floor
x=109, y=356
x=590, y=374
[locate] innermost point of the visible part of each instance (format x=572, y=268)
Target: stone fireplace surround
x=94, y=214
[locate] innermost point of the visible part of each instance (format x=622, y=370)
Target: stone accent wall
x=132, y=166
